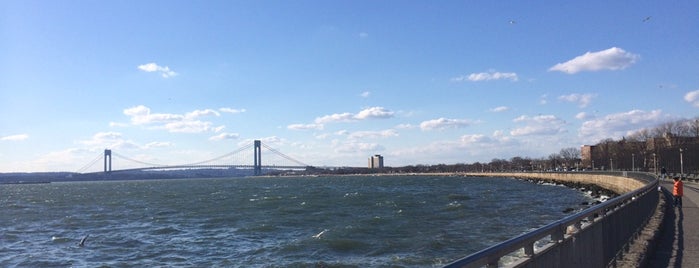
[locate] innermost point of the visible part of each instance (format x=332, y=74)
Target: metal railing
x=590, y=238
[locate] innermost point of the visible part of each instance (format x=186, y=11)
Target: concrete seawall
x=615, y=183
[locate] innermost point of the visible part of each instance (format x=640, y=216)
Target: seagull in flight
x=82, y=241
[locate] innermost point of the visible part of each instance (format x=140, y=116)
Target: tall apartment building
x=376, y=161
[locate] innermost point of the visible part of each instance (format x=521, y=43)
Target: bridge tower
x=258, y=158
x=107, y=161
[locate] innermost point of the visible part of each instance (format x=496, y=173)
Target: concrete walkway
x=679, y=242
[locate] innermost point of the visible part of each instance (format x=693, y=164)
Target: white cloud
x=374, y=112
x=538, y=125
x=231, y=110
x=225, y=136
x=692, y=97
x=111, y=140
x=117, y=124
x=101, y=138
x=444, y=123
x=584, y=116
x=305, y=126
x=486, y=76
x=157, y=144
x=474, y=139
x=405, y=126
x=200, y=113
x=137, y=111
x=373, y=134
x=188, y=126
x=581, y=99
x=358, y=147
x=152, y=67
x=271, y=140
x=363, y=35
x=369, y=113
x=141, y=115
x=610, y=59
x=187, y=123
x=322, y=136
x=343, y=117
x=18, y=137
x=365, y=94
x=617, y=125
x=500, y=109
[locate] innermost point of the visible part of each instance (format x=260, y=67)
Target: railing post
x=557, y=235
x=529, y=249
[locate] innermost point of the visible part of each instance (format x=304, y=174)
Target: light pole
x=633, y=164
x=655, y=165
x=681, y=165
x=611, y=165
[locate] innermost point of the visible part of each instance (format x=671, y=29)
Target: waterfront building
x=678, y=154
x=376, y=161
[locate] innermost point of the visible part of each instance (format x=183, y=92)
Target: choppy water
x=409, y=221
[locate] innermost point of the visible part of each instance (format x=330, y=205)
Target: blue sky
x=334, y=82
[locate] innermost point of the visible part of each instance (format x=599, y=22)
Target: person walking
x=663, y=172
x=677, y=192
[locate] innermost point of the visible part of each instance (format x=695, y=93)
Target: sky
x=331, y=83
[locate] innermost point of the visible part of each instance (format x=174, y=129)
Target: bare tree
x=520, y=163
x=663, y=129
x=554, y=160
x=569, y=155
x=641, y=135
x=692, y=126
x=683, y=128
x=499, y=164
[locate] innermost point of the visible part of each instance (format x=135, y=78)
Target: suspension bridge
x=237, y=159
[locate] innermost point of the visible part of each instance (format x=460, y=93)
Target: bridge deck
x=679, y=243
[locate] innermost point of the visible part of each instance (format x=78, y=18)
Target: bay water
x=336, y=221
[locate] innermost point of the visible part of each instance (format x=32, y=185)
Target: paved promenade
x=679, y=244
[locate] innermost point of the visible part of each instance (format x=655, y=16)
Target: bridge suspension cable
x=90, y=164
x=220, y=157
x=283, y=155
x=138, y=161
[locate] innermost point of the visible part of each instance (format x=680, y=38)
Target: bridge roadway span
x=600, y=235
x=205, y=166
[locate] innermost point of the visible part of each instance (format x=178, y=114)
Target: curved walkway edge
x=678, y=244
